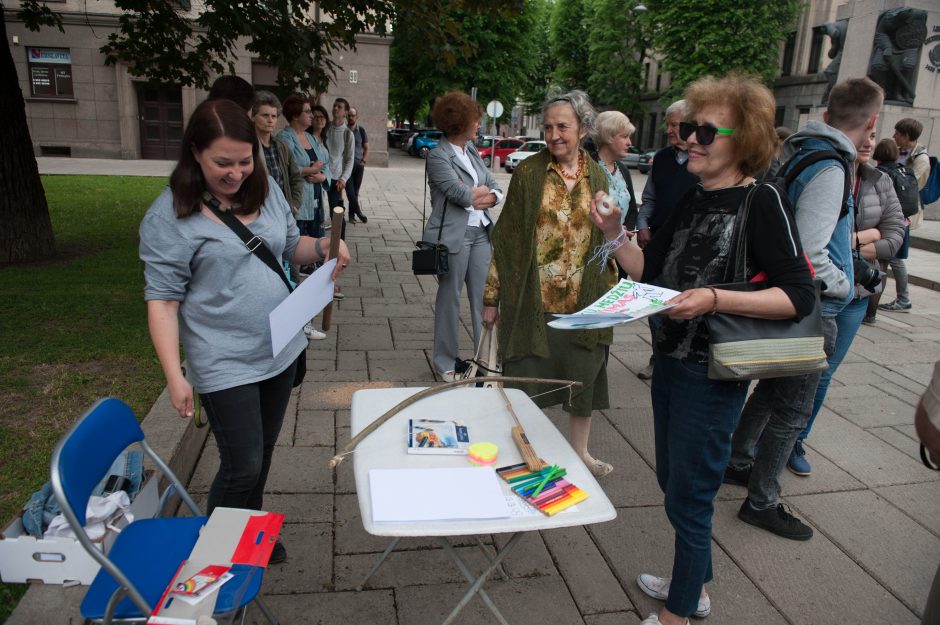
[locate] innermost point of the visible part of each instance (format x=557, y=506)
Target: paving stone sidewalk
x=871, y=503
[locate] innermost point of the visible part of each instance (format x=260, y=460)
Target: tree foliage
x=541, y=69
x=493, y=55
x=699, y=37
x=569, y=42
x=165, y=41
x=616, y=53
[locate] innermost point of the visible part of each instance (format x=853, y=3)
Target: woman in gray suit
x=462, y=189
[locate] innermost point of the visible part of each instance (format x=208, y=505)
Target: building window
x=786, y=68
x=50, y=72
x=815, y=49
x=779, y=114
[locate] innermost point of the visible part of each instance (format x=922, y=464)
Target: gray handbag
x=746, y=348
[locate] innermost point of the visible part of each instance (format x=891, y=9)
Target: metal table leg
x=477, y=586
x=489, y=557
x=378, y=562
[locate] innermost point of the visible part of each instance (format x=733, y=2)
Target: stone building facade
x=78, y=106
x=806, y=67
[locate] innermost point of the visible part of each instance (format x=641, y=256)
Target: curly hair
x=581, y=103
x=454, y=112
x=752, y=109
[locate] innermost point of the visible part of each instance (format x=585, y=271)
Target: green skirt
x=567, y=362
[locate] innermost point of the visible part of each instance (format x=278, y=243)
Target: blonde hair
x=609, y=124
x=752, y=107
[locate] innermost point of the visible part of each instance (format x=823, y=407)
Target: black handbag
x=258, y=248
x=430, y=259
x=746, y=348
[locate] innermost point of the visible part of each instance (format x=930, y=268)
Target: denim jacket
x=839, y=247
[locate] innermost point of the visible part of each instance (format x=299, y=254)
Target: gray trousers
x=469, y=266
x=773, y=418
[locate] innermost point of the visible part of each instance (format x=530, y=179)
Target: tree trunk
x=26, y=234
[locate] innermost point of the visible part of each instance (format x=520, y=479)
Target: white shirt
x=475, y=217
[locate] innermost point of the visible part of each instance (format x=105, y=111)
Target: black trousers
x=246, y=421
x=356, y=180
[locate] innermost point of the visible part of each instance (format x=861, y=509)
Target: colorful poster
x=626, y=302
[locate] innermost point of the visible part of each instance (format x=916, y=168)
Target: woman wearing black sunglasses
x=730, y=133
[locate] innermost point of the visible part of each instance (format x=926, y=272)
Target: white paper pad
x=410, y=495
x=307, y=300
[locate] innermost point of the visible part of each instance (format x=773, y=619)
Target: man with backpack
x=913, y=157
x=817, y=173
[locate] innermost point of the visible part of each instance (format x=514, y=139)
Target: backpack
x=931, y=191
x=905, y=186
x=784, y=180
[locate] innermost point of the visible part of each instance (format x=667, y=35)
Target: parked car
x=424, y=141
x=632, y=159
x=504, y=147
x=396, y=136
x=525, y=151
x=645, y=164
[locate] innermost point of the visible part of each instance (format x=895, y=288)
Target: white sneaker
x=658, y=588
x=653, y=619
x=313, y=333
x=449, y=376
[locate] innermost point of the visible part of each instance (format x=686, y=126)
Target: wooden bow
x=434, y=390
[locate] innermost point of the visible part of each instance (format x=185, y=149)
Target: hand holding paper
x=626, y=302
x=304, y=303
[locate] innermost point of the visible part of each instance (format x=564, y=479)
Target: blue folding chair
x=148, y=552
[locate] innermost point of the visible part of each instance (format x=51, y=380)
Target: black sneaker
x=738, y=477
x=777, y=520
x=460, y=366
x=278, y=554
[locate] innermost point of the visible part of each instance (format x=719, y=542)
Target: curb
x=176, y=440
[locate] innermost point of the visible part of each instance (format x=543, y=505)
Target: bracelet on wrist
x=714, y=300
x=319, y=249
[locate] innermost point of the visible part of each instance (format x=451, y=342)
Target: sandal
x=599, y=468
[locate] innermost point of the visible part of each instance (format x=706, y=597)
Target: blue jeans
x=775, y=414
x=848, y=322
x=693, y=420
x=246, y=421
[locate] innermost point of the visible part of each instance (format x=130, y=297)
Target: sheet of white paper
x=410, y=495
x=307, y=300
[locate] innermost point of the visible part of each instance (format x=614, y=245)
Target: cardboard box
x=60, y=560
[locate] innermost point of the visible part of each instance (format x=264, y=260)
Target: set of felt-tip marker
x=547, y=490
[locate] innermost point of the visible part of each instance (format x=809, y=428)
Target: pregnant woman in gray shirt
x=204, y=287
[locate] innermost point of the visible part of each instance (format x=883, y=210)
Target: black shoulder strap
x=736, y=270
x=254, y=243
x=424, y=204
x=812, y=159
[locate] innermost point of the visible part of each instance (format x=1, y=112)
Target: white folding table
x=487, y=418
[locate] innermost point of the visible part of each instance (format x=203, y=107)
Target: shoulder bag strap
x=738, y=265
x=254, y=243
x=424, y=205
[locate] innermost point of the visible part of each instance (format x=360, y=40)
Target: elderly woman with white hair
x=612, y=132
x=541, y=247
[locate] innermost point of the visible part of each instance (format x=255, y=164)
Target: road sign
x=494, y=109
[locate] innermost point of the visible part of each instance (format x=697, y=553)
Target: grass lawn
x=72, y=330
